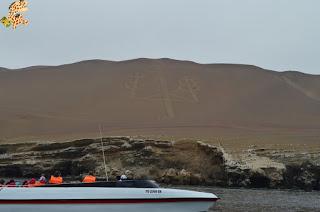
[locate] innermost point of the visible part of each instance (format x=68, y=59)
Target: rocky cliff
x=169, y=162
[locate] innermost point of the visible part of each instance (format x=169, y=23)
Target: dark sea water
x=263, y=200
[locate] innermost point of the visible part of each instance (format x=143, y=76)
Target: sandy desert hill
x=157, y=97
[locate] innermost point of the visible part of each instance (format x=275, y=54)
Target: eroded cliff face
x=183, y=162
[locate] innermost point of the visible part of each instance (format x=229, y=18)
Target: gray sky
x=273, y=34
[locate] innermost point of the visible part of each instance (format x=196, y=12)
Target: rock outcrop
x=182, y=163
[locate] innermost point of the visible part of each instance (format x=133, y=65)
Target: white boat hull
x=152, y=207
x=103, y=200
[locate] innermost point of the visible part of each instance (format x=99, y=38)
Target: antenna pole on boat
x=104, y=157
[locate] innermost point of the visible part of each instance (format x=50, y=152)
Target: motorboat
x=117, y=196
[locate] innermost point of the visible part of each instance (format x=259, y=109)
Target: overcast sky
x=274, y=34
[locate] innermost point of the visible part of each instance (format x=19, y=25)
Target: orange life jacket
x=55, y=180
x=89, y=179
x=31, y=185
x=38, y=183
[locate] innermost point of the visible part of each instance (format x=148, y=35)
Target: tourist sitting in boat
x=56, y=178
x=90, y=178
x=32, y=182
x=25, y=183
x=126, y=176
x=123, y=177
x=11, y=183
x=43, y=179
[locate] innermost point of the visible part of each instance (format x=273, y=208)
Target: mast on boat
x=103, y=155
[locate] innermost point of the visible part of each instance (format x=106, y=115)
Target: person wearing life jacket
x=90, y=178
x=43, y=179
x=56, y=178
x=25, y=183
x=32, y=182
x=11, y=183
x=39, y=183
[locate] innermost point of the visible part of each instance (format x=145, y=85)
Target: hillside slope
x=161, y=97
